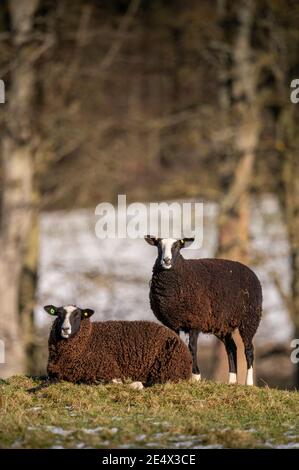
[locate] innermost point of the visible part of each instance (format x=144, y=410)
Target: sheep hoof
x=232, y=378
x=117, y=381
x=136, y=385
x=196, y=377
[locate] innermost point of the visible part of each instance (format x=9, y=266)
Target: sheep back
x=102, y=351
x=210, y=295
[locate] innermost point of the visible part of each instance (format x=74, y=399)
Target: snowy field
x=112, y=276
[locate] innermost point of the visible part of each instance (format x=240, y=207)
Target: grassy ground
x=186, y=415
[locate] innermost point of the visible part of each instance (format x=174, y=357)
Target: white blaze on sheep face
x=66, y=327
x=166, y=252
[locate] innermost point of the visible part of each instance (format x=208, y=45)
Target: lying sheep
x=91, y=352
x=206, y=295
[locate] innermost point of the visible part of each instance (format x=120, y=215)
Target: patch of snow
x=183, y=444
x=209, y=446
x=58, y=431
x=270, y=244
x=80, y=445
x=93, y=430
x=160, y=435
x=105, y=444
x=17, y=444
x=289, y=445
x=141, y=437
x=184, y=441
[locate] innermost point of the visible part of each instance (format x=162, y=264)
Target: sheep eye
x=52, y=311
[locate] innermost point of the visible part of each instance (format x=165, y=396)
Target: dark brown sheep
x=206, y=295
x=91, y=352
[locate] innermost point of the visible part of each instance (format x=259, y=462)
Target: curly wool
x=209, y=295
x=101, y=351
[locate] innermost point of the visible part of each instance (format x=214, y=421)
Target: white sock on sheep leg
x=136, y=385
x=196, y=377
x=249, y=378
x=232, y=379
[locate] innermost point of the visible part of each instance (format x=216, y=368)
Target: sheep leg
x=231, y=350
x=193, y=337
x=249, y=353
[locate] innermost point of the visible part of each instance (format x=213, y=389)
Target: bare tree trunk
x=17, y=153
x=293, y=226
x=234, y=218
x=27, y=298
x=288, y=142
x=289, y=121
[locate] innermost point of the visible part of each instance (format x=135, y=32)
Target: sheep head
x=168, y=249
x=69, y=318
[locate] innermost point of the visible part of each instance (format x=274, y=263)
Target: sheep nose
x=65, y=329
x=167, y=261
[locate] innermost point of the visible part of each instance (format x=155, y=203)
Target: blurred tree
x=27, y=296
x=284, y=52
x=17, y=157
x=234, y=217
x=291, y=185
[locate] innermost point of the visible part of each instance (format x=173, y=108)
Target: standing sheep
x=85, y=351
x=206, y=295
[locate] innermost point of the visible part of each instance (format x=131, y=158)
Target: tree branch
x=117, y=44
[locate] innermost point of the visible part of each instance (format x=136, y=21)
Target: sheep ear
x=151, y=240
x=185, y=242
x=51, y=309
x=87, y=312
